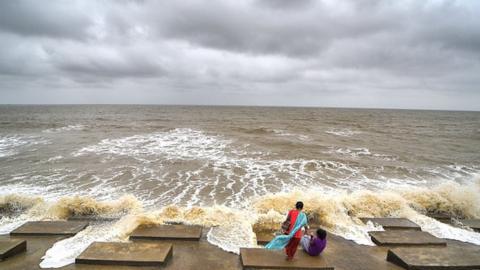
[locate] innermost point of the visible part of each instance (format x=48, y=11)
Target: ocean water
x=234, y=169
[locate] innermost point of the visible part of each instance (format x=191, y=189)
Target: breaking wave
x=180, y=143
x=343, y=132
x=360, y=152
x=64, y=129
x=10, y=144
x=232, y=228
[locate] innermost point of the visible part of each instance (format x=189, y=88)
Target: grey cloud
x=280, y=52
x=286, y=4
x=44, y=18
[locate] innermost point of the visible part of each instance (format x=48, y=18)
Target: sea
x=234, y=169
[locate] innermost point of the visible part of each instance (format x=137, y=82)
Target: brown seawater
x=234, y=168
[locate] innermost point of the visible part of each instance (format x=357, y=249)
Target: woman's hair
x=321, y=233
x=299, y=205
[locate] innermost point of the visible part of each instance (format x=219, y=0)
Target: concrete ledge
x=405, y=238
x=167, y=232
x=260, y=258
x=129, y=254
x=393, y=223
x=431, y=258
x=474, y=224
x=10, y=248
x=45, y=228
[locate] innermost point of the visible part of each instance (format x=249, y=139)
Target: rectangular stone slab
x=131, y=254
x=408, y=237
x=92, y=218
x=167, y=232
x=11, y=247
x=264, y=237
x=432, y=258
x=261, y=258
x=440, y=217
x=474, y=224
x=393, y=223
x=45, y=228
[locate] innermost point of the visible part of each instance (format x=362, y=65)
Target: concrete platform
x=435, y=258
x=260, y=258
x=167, y=232
x=393, y=223
x=129, y=254
x=474, y=224
x=10, y=248
x=45, y=228
x=405, y=238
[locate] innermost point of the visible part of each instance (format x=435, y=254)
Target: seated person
x=314, y=245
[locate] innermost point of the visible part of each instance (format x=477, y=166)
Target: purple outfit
x=313, y=245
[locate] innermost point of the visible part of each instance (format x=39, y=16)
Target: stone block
x=129, y=254
x=167, y=232
x=405, y=238
x=45, y=228
x=393, y=223
x=11, y=247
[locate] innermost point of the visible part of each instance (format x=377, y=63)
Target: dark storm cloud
x=367, y=53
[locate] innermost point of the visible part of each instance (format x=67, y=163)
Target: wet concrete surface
x=393, y=223
x=11, y=247
x=260, y=258
x=39, y=228
x=405, y=238
x=455, y=256
x=474, y=224
x=340, y=253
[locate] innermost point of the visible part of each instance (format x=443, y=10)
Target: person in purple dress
x=314, y=245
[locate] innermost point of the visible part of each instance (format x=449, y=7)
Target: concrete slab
x=45, y=228
x=92, y=218
x=167, y=232
x=435, y=258
x=10, y=248
x=405, y=238
x=264, y=237
x=474, y=224
x=260, y=258
x=129, y=254
x=445, y=218
x=393, y=223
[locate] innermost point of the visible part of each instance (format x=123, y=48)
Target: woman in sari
x=292, y=236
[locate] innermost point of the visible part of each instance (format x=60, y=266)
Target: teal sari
x=281, y=241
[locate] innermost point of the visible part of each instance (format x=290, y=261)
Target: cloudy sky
x=335, y=53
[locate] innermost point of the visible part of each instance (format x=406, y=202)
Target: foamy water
x=234, y=169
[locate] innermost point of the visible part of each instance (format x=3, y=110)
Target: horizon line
x=238, y=105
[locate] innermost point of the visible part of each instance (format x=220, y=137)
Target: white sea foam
x=358, y=152
x=220, y=168
x=344, y=132
x=65, y=129
x=65, y=251
x=11, y=144
x=54, y=158
x=180, y=143
x=283, y=133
